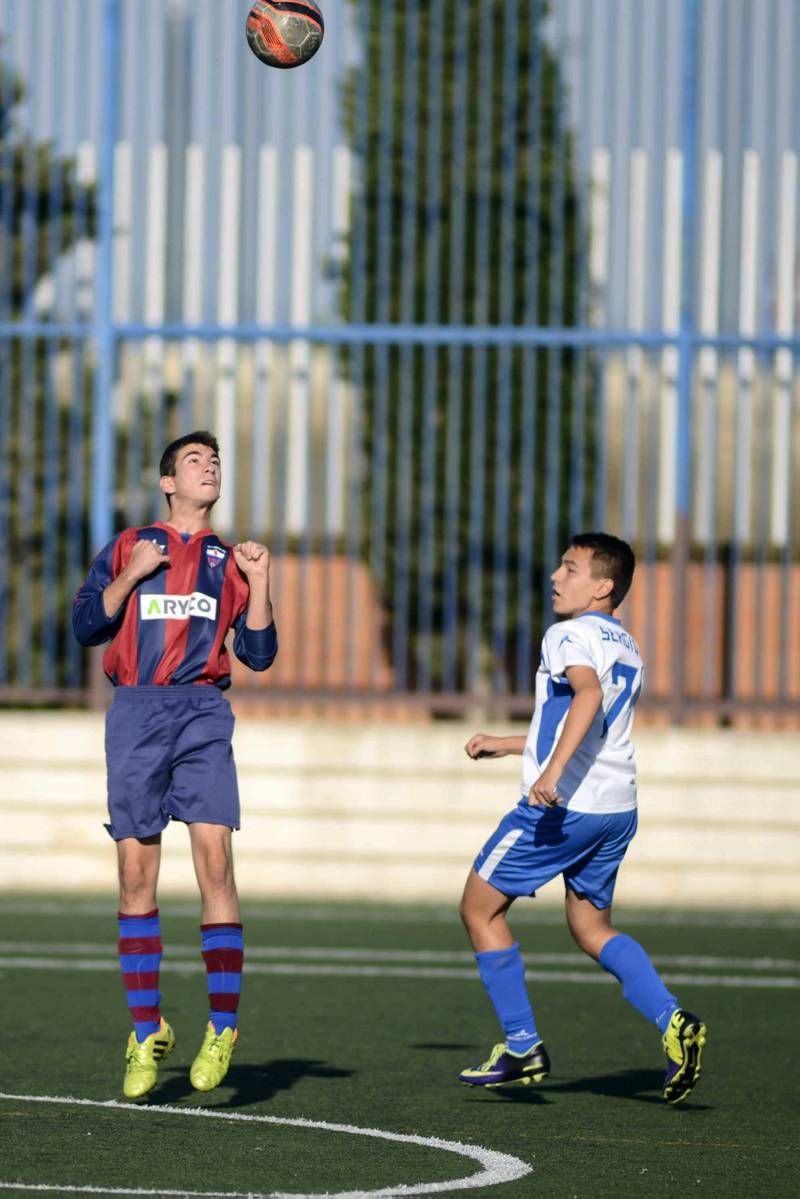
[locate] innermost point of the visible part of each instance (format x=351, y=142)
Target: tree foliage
x=44, y=443
x=467, y=212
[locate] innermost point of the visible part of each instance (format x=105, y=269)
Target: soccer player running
x=576, y=817
x=165, y=595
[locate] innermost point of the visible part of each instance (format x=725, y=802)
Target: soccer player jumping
x=576, y=817
x=165, y=596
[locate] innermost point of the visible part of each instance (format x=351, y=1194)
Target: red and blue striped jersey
x=172, y=628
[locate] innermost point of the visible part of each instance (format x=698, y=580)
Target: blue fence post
x=686, y=350
x=101, y=523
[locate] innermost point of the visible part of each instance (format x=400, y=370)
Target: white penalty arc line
x=496, y=1167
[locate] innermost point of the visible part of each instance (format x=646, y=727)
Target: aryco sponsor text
x=177, y=607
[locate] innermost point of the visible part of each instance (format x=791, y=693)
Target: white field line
x=373, y=956
x=346, y=970
x=402, y=914
x=496, y=1167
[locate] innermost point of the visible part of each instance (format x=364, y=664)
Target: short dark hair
x=615, y=560
x=170, y=456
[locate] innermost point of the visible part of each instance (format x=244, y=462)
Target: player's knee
x=590, y=938
x=136, y=884
x=471, y=916
x=215, y=874
x=582, y=939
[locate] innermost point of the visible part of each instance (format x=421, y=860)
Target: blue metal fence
x=478, y=275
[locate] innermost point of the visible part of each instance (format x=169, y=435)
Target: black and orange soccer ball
x=285, y=33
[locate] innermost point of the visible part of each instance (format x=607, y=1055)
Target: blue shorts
x=169, y=757
x=531, y=845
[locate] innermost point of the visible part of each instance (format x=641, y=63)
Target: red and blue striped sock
x=223, y=954
x=139, y=948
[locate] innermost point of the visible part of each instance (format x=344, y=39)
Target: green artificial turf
x=383, y=1051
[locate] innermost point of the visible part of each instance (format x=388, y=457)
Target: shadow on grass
x=441, y=1045
x=638, y=1085
x=247, y=1084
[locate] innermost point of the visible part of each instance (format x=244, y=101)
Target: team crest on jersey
x=215, y=554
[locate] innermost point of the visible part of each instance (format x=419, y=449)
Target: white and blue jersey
x=600, y=776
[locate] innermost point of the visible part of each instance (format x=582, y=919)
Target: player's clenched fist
x=252, y=559
x=483, y=745
x=146, y=556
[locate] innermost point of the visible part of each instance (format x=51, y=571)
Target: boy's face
x=198, y=475
x=575, y=588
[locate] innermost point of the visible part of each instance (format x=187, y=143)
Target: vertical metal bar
x=788, y=677
x=634, y=356
x=76, y=496
x=7, y=272
x=761, y=401
x=683, y=474
x=357, y=284
x=104, y=331
x=553, y=424
x=5, y=504
x=262, y=450
x=391, y=24
x=79, y=452
x=601, y=176
x=53, y=458
x=27, y=498
x=483, y=217
x=405, y=467
x=650, y=529
x=708, y=363
x=6, y=366
x=505, y=316
x=782, y=457
x=431, y=354
x=578, y=397
x=529, y=400
x=455, y=358
x=6, y=359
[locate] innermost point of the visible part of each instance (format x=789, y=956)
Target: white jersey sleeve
x=601, y=775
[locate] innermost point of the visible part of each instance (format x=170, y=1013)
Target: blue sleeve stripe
x=89, y=621
x=255, y=647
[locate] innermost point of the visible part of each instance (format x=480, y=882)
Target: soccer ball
x=285, y=33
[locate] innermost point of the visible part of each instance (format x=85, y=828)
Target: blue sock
x=503, y=975
x=641, y=982
x=140, y=951
x=223, y=954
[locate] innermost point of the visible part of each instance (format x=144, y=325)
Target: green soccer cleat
x=142, y=1059
x=683, y=1044
x=503, y=1069
x=212, y=1062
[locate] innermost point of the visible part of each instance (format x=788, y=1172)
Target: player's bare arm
x=146, y=556
x=252, y=558
x=582, y=711
x=484, y=745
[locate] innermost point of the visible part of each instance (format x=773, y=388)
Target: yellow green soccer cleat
x=142, y=1059
x=683, y=1044
x=503, y=1069
x=212, y=1062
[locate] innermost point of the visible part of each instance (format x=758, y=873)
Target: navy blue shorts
x=169, y=757
x=532, y=845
